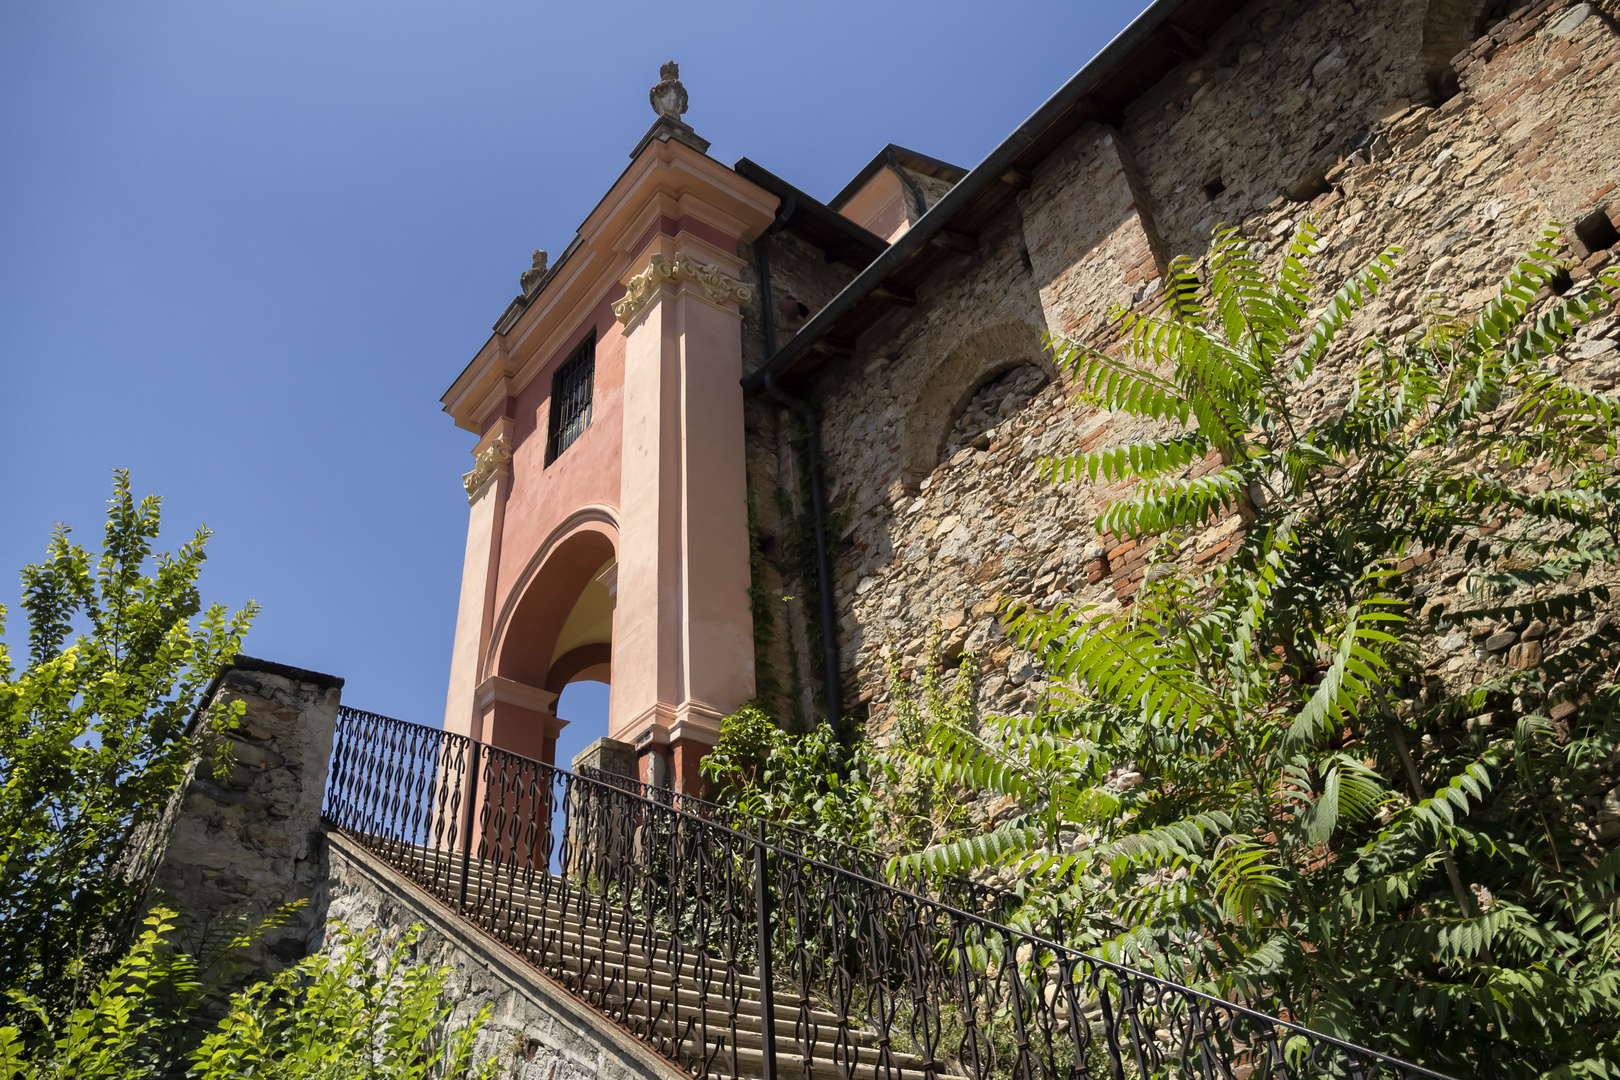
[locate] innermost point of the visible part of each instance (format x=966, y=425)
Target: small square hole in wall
x=1213, y=189
x=1596, y=231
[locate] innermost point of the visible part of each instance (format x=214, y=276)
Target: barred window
x=571, y=399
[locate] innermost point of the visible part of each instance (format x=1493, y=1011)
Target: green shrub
x=1231, y=784
x=95, y=734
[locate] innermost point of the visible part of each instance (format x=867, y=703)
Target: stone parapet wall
x=253, y=841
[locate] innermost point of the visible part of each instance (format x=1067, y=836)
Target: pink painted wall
x=586, y=473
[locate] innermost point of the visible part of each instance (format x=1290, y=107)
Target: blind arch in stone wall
x=982, y=358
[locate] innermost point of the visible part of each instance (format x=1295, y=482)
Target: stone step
x=750, y=1060
x=591, y=941
x=597, y=962
x=688, y=993
x=748, y=1035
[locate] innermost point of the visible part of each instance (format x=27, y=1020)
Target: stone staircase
x=690, y=1006
x=884, y=968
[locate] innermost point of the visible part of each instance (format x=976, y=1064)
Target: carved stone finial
x=669, y=96
x=531, y=277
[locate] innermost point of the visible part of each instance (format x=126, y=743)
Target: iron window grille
x=571, y=399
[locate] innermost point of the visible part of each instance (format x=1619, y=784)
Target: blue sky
x=245, y=247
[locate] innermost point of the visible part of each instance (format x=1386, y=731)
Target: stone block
x=253, y=842
x=607, y=756
x=1526, y=655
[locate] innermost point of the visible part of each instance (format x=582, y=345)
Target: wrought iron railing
x=735, y=956
x=977, y=897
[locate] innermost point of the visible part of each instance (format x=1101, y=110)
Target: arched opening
x=950, y=390
x=581, y=672
x=559, y=633
x=995, y=401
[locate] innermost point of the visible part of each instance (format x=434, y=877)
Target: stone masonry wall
x=1543, y=81
x=538, y=1031
x=1321, y=109
x=254, y=841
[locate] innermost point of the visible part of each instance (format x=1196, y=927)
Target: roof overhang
x=917, y=163
x=839, y=238
x=1162, y=37
x=670, y=189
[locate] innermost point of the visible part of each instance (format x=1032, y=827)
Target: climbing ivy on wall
x=799, y=550
x=767, y=687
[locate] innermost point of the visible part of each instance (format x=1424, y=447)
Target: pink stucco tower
x=607, y=536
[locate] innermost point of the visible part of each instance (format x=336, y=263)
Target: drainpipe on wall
x=818, y=507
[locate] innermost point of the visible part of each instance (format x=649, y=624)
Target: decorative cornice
x=718, y=286
x=491, y=460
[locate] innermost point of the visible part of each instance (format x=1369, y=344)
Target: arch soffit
x=948, y=388
x=599, y=519
x=572, y=665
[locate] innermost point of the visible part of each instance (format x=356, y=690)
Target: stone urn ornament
x=669, y=96
x=530, y=280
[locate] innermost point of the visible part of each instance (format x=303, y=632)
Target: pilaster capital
x=718, y=286
x=494, y=458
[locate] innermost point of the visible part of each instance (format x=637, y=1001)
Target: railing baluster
x=467, y=828
x=767, y=997
x=651, y=882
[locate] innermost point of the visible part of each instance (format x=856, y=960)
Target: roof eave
x=989, y=171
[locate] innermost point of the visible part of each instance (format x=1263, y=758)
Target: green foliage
x=874, y=799
x=808, y=782
x=95, y=734
x=918, y=809
x=354, y=1010
x=1248, y=781
x=112, y=1035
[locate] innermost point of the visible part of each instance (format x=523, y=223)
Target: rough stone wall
x=537, y=1031
x=802, y=282
x=1304, y=108
x=1543, y=81
x=1284, y=91
x=1092, y=242
x=254, y=841
x=888, y=412
x=932, y=188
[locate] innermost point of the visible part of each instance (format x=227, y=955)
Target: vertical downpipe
x=767, y=1003
x=467, y=831
x=818, y=509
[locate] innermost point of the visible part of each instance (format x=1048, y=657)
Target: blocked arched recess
x=946, y=391
x=556, y=624
x=1449, y=27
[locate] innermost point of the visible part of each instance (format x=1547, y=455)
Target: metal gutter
x=989, y=171
x=807, y=209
